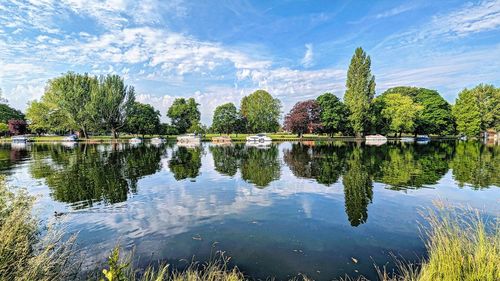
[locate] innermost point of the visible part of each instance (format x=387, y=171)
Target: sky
x=220, y=51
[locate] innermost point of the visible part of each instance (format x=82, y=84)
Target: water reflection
x=85, y=174
x=89, y=174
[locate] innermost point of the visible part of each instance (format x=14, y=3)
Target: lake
x=277, y=210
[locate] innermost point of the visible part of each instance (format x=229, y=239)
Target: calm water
x=281, y=210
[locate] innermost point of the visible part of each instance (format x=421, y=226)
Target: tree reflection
x=404, y=166
x=260, y=166
x=358, y=188
x=323, y=162
x=476, y=164
x=227, y=158
x=88, y=174
x=185, y=163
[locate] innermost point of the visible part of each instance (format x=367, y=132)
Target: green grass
x=24, y=255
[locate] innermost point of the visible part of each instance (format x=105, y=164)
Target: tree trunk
x=358, y=135
x=113, y=133
x=84, y=131
x=400, y=133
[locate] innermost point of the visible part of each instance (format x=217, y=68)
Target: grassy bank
x=460, y=244
x=207, y=137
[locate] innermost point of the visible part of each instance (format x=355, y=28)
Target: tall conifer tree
x=360, y=90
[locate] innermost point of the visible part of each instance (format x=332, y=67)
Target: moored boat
x=19, y=139
x=70, y=138
x=189, y=138
x=135, y=140
x=157, y=140
x=376, y=137
x=423, y=138
x=259, y=138
x=222, y=140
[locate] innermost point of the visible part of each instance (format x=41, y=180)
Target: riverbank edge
x=208, y=138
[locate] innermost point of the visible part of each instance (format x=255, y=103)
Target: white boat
x=259, y=138
x=19, y=139
x=157, y=140
x=189, y=138
x=70, y=138
x=376, y=137
x=407, y=139
x=135, y=140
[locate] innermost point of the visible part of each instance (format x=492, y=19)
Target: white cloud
x=307, y=60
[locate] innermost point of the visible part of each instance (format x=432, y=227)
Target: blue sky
x=219, y=51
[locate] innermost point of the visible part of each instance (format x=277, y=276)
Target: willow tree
x=360, y=90
x=111, y=102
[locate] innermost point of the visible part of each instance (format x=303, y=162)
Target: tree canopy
x=477, y=109
x=261, y=111
x=143, y=119
x=435, y=116
x=304, y=117
x=226, y=118
x=184, y=114
x=360, y=90
x=333, y=113
x=7, y=113
x=401, y=112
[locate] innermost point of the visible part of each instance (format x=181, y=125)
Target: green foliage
x=117, y=269
x=476, y=165
x=477, y=109
x=401, y=112
x=142, y=119
x=24, y=255
x=261, y=112
x=226, y=118
x=197, y=128
x=467, y=115
x=183, y=114
x=435, y=116
x=185, y=163
x=71, y=94
x=4, y=128
x=333, y=113
x=358, y=187
x=111, y=102
x=7, y=113
x=253, y=161
x=167, y=129
x=360, y=90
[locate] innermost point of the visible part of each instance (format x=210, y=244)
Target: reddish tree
x=17, y=127
x=304, y=118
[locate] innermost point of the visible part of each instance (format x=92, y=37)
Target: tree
x=17, y=127
x=142, y=119
x=401, y=112
x=261, y=111
x=71, y=94
x=183, y=114
x=226, y=118
x=333, y=113
x=167, y=129
x=112, y=100
x=477, y=109
x=360, y=90
x=4, y=129
x=304, y=117
x=7, y=113
x=435, y=117
x=467, y=115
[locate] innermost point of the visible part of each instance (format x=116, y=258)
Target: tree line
x=105, y=105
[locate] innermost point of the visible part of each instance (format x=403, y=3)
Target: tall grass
x=460, y=247
x=23, y=254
